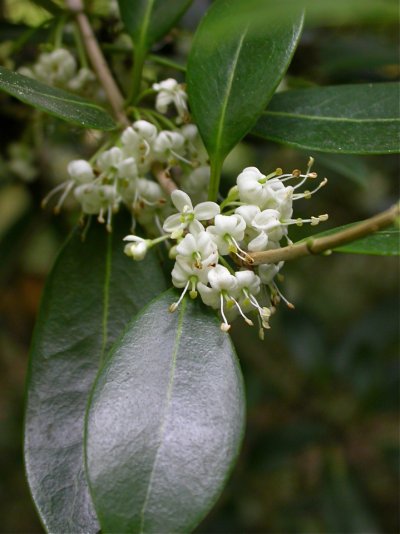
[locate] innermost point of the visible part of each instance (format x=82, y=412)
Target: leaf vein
x=228, y=91
x=165, y=413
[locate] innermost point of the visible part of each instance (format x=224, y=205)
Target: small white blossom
x=137, y=247
x=170, y=91
x=168, y=145
x=80, y=171
x=227, y=231
x=175, y=224
x=199, y=249
x=223, y=286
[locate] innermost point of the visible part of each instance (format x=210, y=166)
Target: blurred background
x=320, y=453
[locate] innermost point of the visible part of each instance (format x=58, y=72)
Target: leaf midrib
x=327, y=118
x=146, y=21
x=225, y=101
x=165, y=412
x=106, y=297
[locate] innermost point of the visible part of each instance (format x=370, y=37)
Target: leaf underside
x=91, y=293
x=165, y=421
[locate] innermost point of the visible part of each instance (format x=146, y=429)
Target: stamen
x=63, y=197
x=181, y=158
x=49, y=195
x=246, y=257
x=285, y=300
x=100, y=217
x=175, y=305
x=109, y=218
x=193, y=292
x=308, y=194
x=247, y=320
x=225, y=326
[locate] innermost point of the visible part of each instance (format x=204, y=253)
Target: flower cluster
x=126, y=172
x=59, y=68
x=214, y=243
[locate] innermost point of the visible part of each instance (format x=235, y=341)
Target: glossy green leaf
x=353, y=119
x=232, y=75
x=56, y=102
x=165, y=421
x=149, y=20
x=91, y=293
x=382, y=243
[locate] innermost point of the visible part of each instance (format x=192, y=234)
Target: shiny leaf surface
x=165, y=421
x=91, y=293
x=56, y=102
x=232, y=74
x=149, y=20
x=353, y=119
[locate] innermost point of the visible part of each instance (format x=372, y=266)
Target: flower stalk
x=98, y=61
x=325, y=244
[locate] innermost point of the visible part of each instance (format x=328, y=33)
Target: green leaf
x=91, y=292
x=352, y=119
x=232, y=75
x=54, y=101
x=149, y=20
x=165, y=421
x=382, y=243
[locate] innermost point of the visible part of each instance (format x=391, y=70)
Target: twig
x=98, y=61
x=323, y=244
x=164, y=178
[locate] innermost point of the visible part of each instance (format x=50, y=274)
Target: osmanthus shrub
x=135, y=400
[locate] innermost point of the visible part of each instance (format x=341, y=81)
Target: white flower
x=248, y=212
x=130, y=140
x=137, y=142
x=223, y=286
x=250, y=183
x=109, y=159
x=149, y=191
x=168, y=143
x=268, y=221
x=198, y=249
x=248, y=285
x=80, y=171
x=170, y=91
x=175, y=224
x=127, y=169
x=84, y=77
x=137, y=248
x=268, y=271
x=146, y=130
x=88, y=195
x=186, y=274
x=226, y=232
x=56, y=67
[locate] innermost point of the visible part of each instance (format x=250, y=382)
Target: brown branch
x=323, y=244
x=164, y=178
x=98, y=61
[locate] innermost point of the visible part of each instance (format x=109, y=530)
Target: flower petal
x=181, y=201
x=206, y=210
x=172, y=223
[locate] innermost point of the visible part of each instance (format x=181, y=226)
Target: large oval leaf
x=232, y=74
x=165, y=421
x=91, y=292
x=353, y=119
x=148, y=20
x=61, y=104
